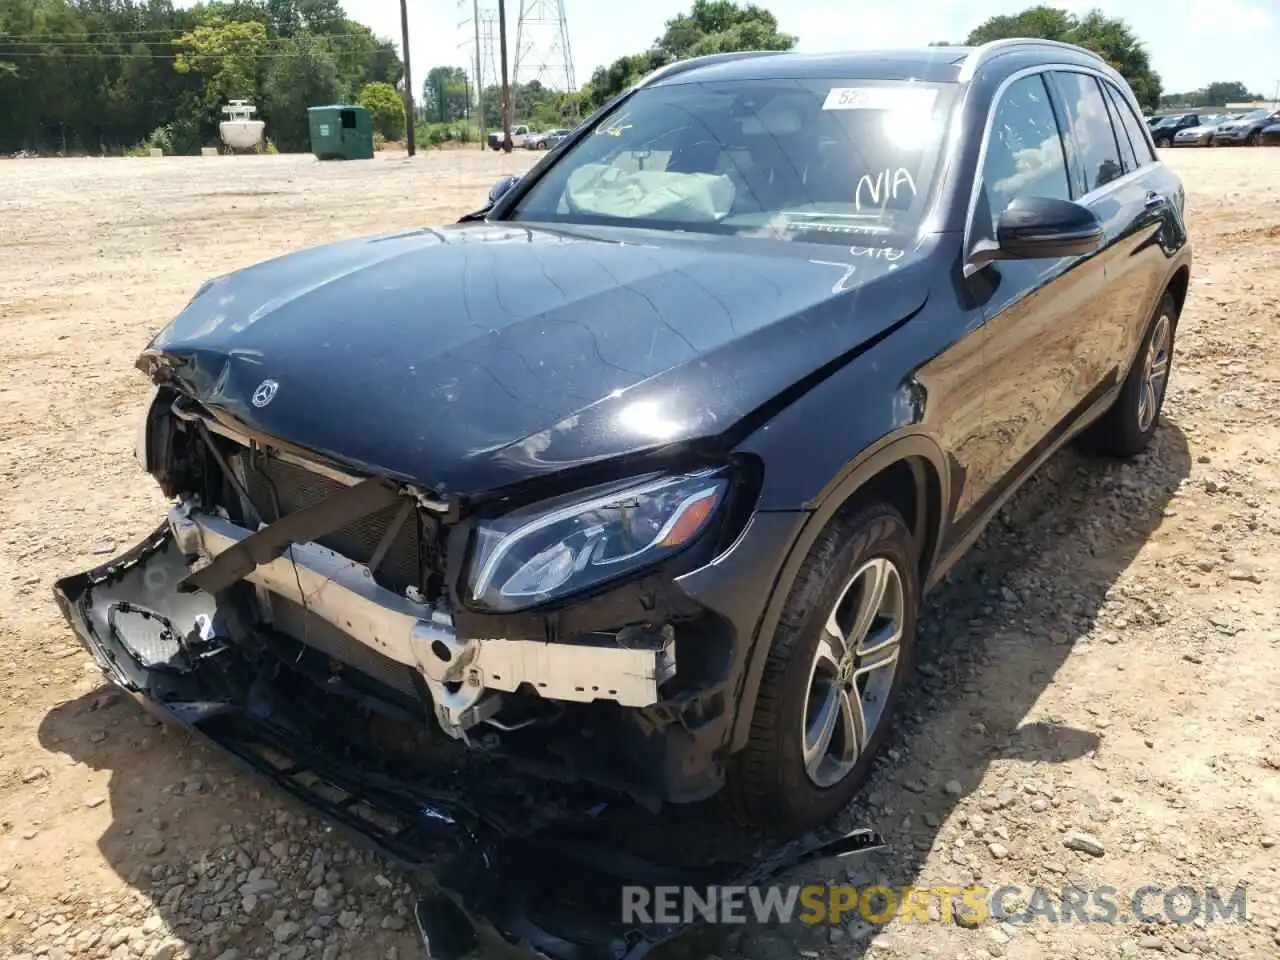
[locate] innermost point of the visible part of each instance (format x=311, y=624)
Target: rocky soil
x=1096, y=701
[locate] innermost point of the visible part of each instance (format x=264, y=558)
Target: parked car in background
x=1167, y=128
x=545, y=141
x=1201, y=135
x=1246, y=129
x=1270, y=136
x=638, y=476
x=519, y=133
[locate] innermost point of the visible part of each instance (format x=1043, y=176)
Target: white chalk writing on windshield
x=892, y=254
x=884, y=187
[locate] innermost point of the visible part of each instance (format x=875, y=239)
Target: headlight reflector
x=536, y=554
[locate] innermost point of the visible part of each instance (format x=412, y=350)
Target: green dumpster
x=341, y=132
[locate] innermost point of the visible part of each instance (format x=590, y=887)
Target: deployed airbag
x=607, y=191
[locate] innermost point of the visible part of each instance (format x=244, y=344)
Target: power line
x=151, y=56
x=266, y=23
x=230, y=41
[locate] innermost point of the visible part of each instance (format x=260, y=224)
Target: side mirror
x=502, y=187
x=1040, y=228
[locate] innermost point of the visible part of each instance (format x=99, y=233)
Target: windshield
x=1254, y=115
x=814, y=160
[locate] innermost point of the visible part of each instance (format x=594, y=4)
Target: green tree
x=711, y=26
x=444, y=94
x=530, y=103
x=226, y=55
x=719, y=26
x=1109, y=37
x=1216, y=94
x=1044, y=23
x=304, y=76
x=381, y=100
x=1223, y=92
x=100, y=75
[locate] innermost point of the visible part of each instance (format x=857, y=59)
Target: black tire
x=768, y=783
x=1121, y=431
x=1252, y=139
x=1162, y=141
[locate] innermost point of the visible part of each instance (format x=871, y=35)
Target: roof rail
x=992, y=47
x=691, y=63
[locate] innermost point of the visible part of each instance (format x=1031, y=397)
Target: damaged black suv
x=637, y=476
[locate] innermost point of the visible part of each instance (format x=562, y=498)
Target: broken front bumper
x=458, y=671
x=506, y=863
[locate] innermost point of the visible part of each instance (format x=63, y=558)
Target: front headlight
x=553, y=549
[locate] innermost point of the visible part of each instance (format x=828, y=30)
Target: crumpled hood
x=478, y=355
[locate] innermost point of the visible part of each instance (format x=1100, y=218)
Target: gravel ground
x=1096, y=700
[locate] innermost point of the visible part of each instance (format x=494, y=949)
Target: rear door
x=1157, y=228
x=1119, y=179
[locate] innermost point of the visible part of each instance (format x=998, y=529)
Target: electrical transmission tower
x=542, y=45
x=479, y=29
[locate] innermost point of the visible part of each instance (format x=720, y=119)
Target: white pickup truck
x=518, y=135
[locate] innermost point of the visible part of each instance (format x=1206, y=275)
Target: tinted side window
x=1127, y=156
x=1095, y=141
x=1132, y=125
x=1024, y=155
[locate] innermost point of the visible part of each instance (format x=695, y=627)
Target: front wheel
x=1252, y=139
x=834, y=674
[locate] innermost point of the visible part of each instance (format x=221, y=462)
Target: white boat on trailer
x=240, y=131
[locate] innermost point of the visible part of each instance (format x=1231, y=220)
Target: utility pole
x=480, y=131
x=506, y=88
x=408, y=74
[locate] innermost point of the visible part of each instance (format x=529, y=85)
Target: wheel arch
x=1178, y=285
x=908, y=473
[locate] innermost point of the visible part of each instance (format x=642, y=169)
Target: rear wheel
x=1127, y=428
x=1162, y=141
x=1252, y=139
x=834, y=677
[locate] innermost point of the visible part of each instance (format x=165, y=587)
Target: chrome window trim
x=975, y=187
x=1005, y=84
x=1152, y=156
x=1106, y=109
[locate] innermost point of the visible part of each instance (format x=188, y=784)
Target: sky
x=1191, y=42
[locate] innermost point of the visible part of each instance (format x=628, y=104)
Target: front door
x=1035, y=309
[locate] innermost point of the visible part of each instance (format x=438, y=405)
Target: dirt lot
x=1107, y=661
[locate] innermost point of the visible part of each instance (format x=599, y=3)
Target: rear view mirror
x=1040, y=228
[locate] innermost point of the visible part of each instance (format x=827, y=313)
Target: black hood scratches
x=476, y=356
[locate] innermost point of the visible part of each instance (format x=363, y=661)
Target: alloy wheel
x=1155, y=373
x=853, y=671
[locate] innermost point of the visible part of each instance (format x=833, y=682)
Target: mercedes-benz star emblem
x=265, y=393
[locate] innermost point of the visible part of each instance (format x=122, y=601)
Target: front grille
x=296, y=488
